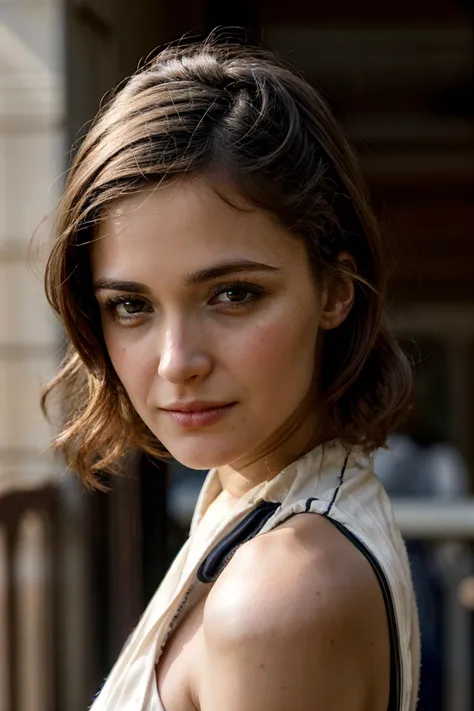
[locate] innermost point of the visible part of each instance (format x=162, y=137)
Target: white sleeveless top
x=326, y=481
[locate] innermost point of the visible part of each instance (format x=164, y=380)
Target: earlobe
x=339, y=297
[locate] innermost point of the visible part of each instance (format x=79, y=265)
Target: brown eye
x=126, y=308
x=234, y=295
x=130, y=307
x=237, y=294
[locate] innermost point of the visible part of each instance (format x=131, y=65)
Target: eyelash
x=255, y=291
x=113, y=302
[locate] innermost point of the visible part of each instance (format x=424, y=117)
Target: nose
x=184, y=355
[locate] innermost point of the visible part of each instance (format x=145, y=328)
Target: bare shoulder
x=303, y=605
x=305, y=566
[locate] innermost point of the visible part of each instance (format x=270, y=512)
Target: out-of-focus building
x=32, y=148
x=399, y=77
x=32, y=159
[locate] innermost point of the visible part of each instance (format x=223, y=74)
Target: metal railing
x=434, y=520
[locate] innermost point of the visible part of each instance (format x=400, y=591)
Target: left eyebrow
x=218, y=270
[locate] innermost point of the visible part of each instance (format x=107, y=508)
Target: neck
x=288, y=444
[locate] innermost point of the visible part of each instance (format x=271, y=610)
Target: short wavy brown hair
x=239, y=113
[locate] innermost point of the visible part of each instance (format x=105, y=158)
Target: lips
x=197, y=415
x=195, y=406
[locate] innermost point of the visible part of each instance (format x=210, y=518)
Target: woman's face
x=210, y=315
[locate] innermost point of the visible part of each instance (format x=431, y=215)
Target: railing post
x=12, y=618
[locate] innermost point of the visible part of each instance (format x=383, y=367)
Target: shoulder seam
x=337, y=489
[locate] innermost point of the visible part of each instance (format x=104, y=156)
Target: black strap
x=251, y=524
x=395, y=696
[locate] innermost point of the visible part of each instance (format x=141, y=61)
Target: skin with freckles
x=223, y=309
x=209, y=302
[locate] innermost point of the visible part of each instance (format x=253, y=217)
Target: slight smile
x=197, y=414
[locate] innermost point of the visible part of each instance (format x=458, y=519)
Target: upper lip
x=194, y=406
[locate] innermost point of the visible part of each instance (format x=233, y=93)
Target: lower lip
x=200, y=418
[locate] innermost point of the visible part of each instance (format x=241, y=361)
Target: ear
x=338, y=295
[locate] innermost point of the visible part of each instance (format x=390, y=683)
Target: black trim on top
x=395, y=697
x=251, y=524
x=336, y=491
x=309, y=502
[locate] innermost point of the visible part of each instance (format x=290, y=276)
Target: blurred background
x=77, y=569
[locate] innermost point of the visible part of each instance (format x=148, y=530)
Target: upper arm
x=289, y=628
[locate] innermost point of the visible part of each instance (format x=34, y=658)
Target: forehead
x=186, y=225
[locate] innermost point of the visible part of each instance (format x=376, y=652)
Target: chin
x=201, y=454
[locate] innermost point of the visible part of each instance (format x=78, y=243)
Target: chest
x=179, y=668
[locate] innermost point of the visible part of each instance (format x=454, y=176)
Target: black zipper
x=394, y=703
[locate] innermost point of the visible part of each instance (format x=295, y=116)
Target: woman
x=219, y=274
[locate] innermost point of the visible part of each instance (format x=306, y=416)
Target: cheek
x=125, y=358
x=279, y=354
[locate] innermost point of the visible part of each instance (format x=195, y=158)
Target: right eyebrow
x=135, y=287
